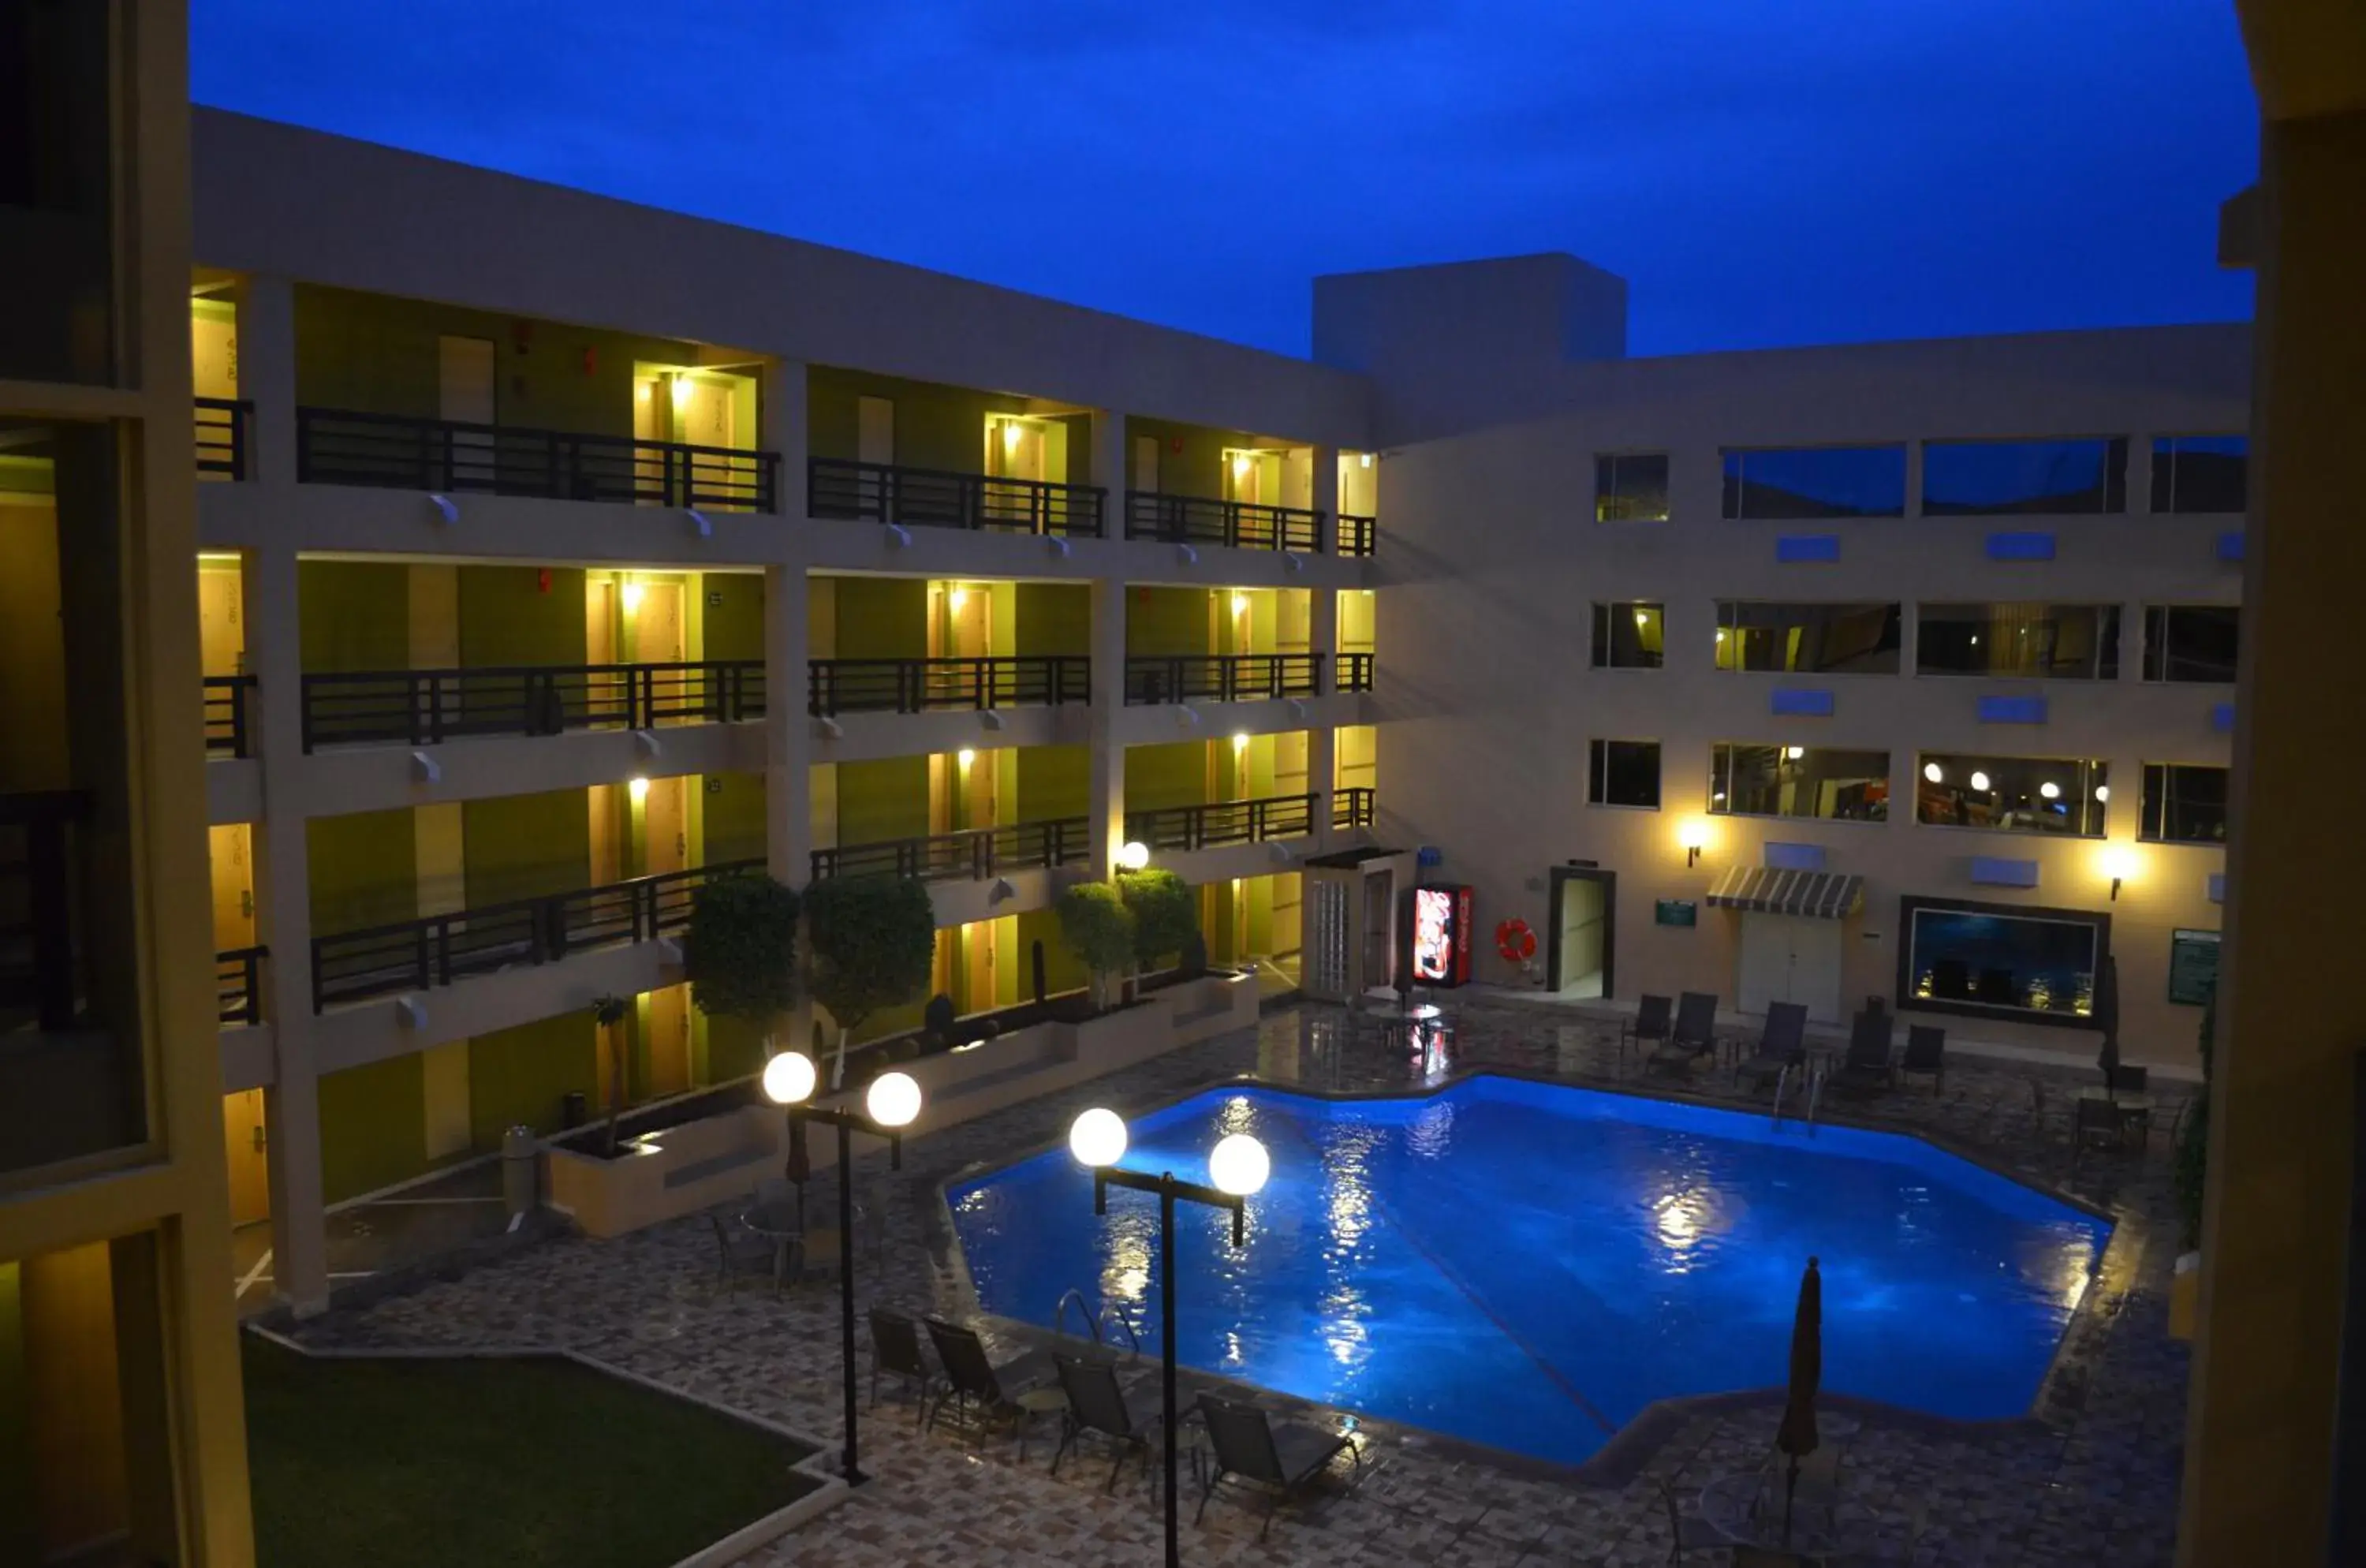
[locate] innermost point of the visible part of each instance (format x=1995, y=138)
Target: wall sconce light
x=681, y=390
x=1694, y=836
x=1013, y=433
x=1240, y=603
x=1132, y=855
x=1793, y=753
x=956, y=600
x=1241, y=740
x=632, y=596
x=965, y=756
x=2118, y=863
x=639, y=790
x=1240, y=464
x=1363, y=459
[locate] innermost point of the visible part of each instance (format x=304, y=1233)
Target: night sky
x=1762, y=172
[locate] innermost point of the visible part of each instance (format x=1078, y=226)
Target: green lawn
x=508, y=1463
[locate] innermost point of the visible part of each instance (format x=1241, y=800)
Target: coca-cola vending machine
x=1440, y=929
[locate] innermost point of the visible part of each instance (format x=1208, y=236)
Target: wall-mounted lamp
x=681, y=390
x=965, y=756
x=639, y=790
x=1241, y=740
x=1013, y=433
x=1132, y=855
x=1793, y=753
x=2118, y=863
x=1693, y=834
x=956, y=599
x=1240, y=464
x=1363, y=459
x=1240, y=603
x=632, y=596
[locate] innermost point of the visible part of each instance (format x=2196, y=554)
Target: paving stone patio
x=2092, y=1478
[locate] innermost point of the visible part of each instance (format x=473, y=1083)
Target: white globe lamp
x=894, y=1099
x=1239, y=1165
x=789, y=1078
x=1098, y=1138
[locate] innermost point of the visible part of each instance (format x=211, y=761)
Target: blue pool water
x=1528, y=1265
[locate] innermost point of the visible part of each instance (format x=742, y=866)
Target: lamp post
x=891, y=1102
x=1239, y=1166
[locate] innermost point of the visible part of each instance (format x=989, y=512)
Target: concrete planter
x=666, y=1174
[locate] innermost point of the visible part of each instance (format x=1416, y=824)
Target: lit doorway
x=1582, y=940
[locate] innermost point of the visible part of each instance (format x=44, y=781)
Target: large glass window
x=1747, y=780
x=56, y=104
x=2191, y=642
x=1988, y=478
x=1630, y=487
x=1625, y=772
x=2055, y=642
x=2012, y=795
x=2201, y=473
x=1815, y=481
x=1825, y=640
x=1629, y=635
x=2184, y=803
x=2037, y=964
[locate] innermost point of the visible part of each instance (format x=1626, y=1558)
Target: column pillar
x=1105, y=802
x=1325, y=460
x=266, y=375
x=1322, y=738
x=2270, y=1474
x=780, y=415
x=283, y=923
x=788, y=728
x=1109, y=471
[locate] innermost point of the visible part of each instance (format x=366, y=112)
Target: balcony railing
x=1222, y=677
x=939, y=498
x=414, y=955
x=927, y=686
x=1354, y=673
x=222, y=426
x=336, y=446
x=1358, y=536
x=1224, y=822
x=41, y=945
x=971, y=856
x=1237, y=524
x=227, y=733
x=238, y=982
x=1352, y=807
x=426, y=707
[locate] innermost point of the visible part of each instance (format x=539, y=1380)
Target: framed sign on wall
x=2193, y=966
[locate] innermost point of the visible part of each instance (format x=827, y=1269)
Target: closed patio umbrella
x=2107, y=1019
x=1796, y=1436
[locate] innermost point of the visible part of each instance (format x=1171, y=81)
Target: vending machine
x=1439, y=925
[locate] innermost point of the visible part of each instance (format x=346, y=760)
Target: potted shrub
x=1166, y=917
x=1099, y=929
x=874, y=941
x=740, y=951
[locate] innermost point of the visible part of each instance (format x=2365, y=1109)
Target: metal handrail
x=1223, y=822
x=1083, y=1311
x=922, y=685
x=1355, y=672
x=396, y=451
x=974, y=854
x=238, y=984
x=1221, y=677
x=1358, y=535
x=943, y=498
x=222, y=436
x=1237, y=524
x=1353, y=806
x=226, y=729
x=426, y=707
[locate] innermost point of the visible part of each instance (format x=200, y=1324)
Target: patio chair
x=1693, y=1036
x=1868, y=1050
x=1926, y=1052
x=1688, y=1532
x=895, y=1353
x=1782, y=1045
x=1279, y=1461
x=2096, y=1124
x=1649, y=1028
x=741, y=1254
x=1096, y=1403
x=979, y=1391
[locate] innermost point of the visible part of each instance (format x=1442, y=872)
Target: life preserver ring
x=1515, y=940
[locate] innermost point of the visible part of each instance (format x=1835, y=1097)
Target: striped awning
x=1767, y=891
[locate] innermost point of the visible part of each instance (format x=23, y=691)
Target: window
x=1991, y=478
x=56, y=109
x=1628, y=635
x=2012, y=795
x=1630, y=487
x=2183, y=804
x=1798, y=781
x=2191, y=642
x=1825, y=640
x=2201, y=473
x=1815, y=481
x=2001, y=960
x=1625, y=772
x=2053, y=642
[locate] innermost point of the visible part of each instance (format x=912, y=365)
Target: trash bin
x=521, y=1171
x=573, y=1109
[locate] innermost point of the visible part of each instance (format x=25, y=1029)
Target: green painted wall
x=1063, y=971
x=882, y=617
x=364, y=870
x=354, y=615
x=1161, y=776
x=378, y=355
x=936, y=426
x=1198, y=469
x=735, y=816
x=373, y=1126
x=735, y=1048
x=1167, y=621
x=517, y=1076
x=526, y=846
x=882, y=800
x=734, y=615
x=1053, y=781
x=507, y=616
x=1052, y=618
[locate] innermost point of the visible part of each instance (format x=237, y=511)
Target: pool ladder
x=1815, y=1082
x=1103, y=1326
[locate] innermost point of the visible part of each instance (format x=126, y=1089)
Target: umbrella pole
x=1790, y=1490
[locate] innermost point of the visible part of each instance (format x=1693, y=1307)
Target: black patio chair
x=1868, y=1051
x=2096, y=1124
x=1693, y=1036
x=1688, y=1532
x=1096, y=1403
x=980, y=1391
x=1782, y=1045
x=895, y=1353
x=1649, y=1028
x=1926, y=1052
x=741, y=1254
x=1279, y=1461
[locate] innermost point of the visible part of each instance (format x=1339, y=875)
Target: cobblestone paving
x=2093, y=1479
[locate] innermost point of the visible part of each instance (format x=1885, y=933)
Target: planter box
x=666, y=1174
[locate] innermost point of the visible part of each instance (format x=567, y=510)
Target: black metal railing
x=228, y=730
x=1358, y=536
x=940, y=498
x=1354, y=673
x=414, y=955
x=1223, y=822
x=1238, y=524
x=238, y=981
x=222, y=440
x=337, y=447
x=1222, y=677
x=924, y=686
x=426, y=707
x=969, y=856
x=1352, y=807
x=41, y=952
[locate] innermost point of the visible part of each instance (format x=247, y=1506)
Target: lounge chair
x=742, y=1254
x=1693, y=1036
x=1926, y=1052
x=1688, y=1532
x=1782, y=1045
x=1649, y=1028
x=895, y=1353
x=978, y=1389
x=1279, y=1461
x=1097, y=1405
x=1868, y=1050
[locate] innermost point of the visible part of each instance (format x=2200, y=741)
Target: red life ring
x=1515, y=940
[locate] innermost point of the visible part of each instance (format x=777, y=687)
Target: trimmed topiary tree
x=1166, y=916
x=1099, y=929
x=740, y=951
x=875, y=942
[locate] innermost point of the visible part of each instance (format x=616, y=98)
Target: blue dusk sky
x=1761, y=171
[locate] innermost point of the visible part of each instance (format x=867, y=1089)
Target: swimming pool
x=1530, y=1265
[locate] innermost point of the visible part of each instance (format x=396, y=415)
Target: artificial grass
x=507, y=1463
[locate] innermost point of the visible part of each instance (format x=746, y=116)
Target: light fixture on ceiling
x=1979, y=781
x=1934, y=772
